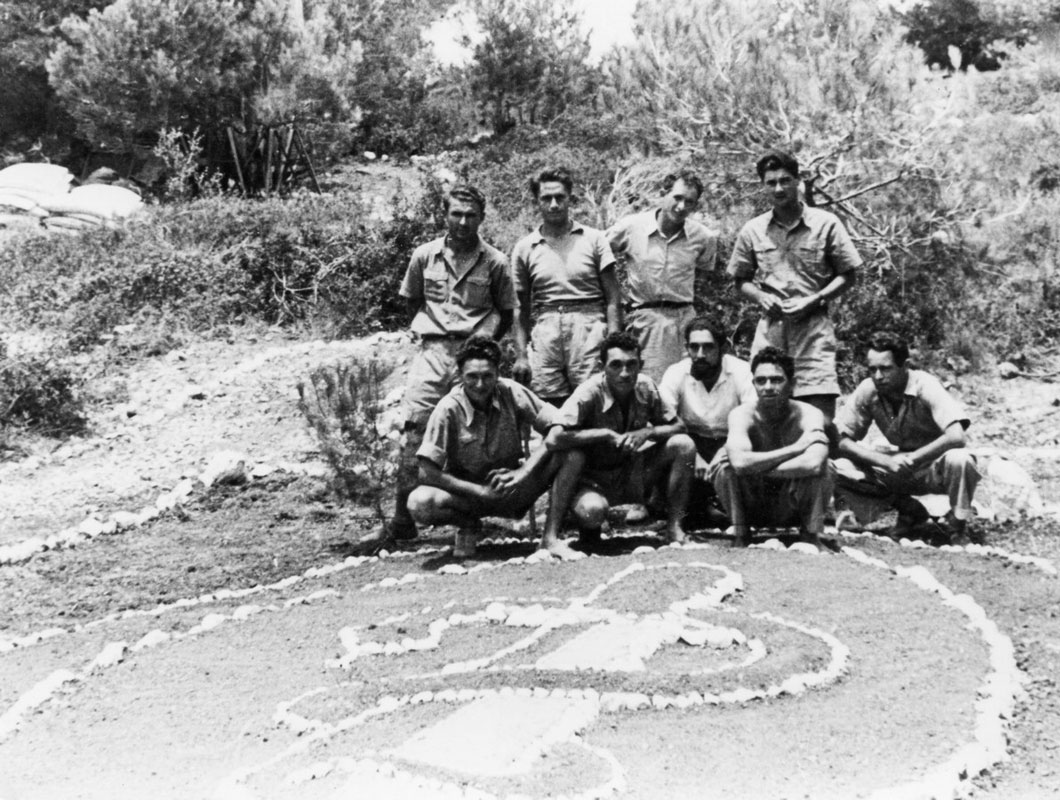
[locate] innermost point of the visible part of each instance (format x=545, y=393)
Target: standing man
x=793, y=261
x=775, y=469
x=705, y=387
x=455, y=286
x=469, y=459
x=664, y=251
x=925, y=426
x=566, y=284
x=621, y=440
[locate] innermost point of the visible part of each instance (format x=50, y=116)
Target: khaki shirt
x=568, y=274
x=706, y=412
x=593, y=406
x=660, y=269
x=469, y=443
x=796, y=262
x=927, y=409
x=458, y=302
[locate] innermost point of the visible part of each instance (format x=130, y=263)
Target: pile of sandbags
x=42, y=191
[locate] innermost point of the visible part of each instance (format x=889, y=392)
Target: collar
x=800, y=220
x=657, y=228
x=609, y=399
x=575, y=227
x=462, y=400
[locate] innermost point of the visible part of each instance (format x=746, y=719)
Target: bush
x=39, y=392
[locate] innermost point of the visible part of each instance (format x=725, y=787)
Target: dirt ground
x=247, y=684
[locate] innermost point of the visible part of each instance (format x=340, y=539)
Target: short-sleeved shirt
x=927, y=409
x=706, y=411
x=469, y=443
x=568, y=274
x=593, y=406
x=458, y=301
x=797, y=261
x=661, y=269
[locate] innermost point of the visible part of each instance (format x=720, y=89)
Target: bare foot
x=562, y=550
x=741, y=537
x=675, y=534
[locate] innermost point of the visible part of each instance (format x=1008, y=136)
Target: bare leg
x=727, y=486
x=564, y=487
x=680, y=458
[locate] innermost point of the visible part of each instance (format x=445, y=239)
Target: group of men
x=633, y=395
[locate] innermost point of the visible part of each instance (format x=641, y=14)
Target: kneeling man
x=620, y=440
x=925, y=426
x=775, y=468
x=469, y=459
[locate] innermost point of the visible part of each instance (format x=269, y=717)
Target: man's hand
x=798, y=307
x=521, y=371
x=632, y=442
x=504, y=482
x=771, y=304
x=811, y=438
x=899, y=464
x=701, y=469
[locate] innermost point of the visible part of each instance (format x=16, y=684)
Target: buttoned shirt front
x=706, y=411
x=469, y=442
x=797, y=261
x=459, y=297
x=593, y=406
x=662, y=269
x=926, y=410
x=568, y=272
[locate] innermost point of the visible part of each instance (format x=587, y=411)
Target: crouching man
x=924, y=425
x=620, y=440
x=469, y=459
x=775, y=469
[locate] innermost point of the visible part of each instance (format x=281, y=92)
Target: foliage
x=528, y=61
x=219, y=261
x=938, y=27
x=39, y=392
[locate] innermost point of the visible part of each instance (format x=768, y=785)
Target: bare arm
x=768, y=302
x=612, y=299
x=505, y=323
x=745, y=461
x=433, y=475
x=810, y=463
x=799, y=306
x=949, y=439
x=521, y=332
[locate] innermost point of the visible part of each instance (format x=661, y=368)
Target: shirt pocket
x=436, y=284
x=477, y=291
x=768, y=257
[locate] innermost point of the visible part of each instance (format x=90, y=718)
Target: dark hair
x=479, y=346
x=687, y=177
x=468, y=194
x=622, y=340
x=777, y=159
x=552, y=175
x=707, y=324
x=774, y=355
x=882, y=341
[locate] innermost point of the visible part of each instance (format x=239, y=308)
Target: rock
x=226, y=467
x=125, y=519
x=1008, y=370
x=90, y=527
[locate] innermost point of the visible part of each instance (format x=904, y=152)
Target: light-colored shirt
x=469, y=443
x=926, y=410
x=593, y=406
x=456, y=300
x=797, y=261
x=568, y=272
x=661, y=269
x=706, y=411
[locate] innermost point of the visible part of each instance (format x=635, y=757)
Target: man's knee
x=425, y=504
x=960, y=459
x=591, y=509
x=681, y=446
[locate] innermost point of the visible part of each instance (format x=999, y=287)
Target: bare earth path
x=235, y=647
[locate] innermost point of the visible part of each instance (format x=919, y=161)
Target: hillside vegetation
x=947, y=178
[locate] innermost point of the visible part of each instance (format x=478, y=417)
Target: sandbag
x=98, y=199
x=69, y=223
x=18, y=201
x=47, y=178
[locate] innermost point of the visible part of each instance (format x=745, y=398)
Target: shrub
x=40, y=392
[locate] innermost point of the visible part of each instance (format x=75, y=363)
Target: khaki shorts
x=432, y=374
x=811, y=342
x=661, y=333
x=565, y=350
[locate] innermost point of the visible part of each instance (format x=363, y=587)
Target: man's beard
x=702, y=370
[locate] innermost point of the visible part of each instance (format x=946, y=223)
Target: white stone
x=113, y=653
x=90, y=526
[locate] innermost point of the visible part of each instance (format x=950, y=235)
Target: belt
x=572, y=305
x=660, y=304
x=443, y=337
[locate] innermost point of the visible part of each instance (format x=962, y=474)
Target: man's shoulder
x=494, y=254
x=676, y=371
x=428, y=249
x=694, y=229
x=921, y=382
x=807, y=417
x=587, y=231
x=734, y=365
x=819, y=218
x=527, y=240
